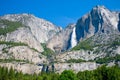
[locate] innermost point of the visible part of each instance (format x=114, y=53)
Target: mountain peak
x=100, y=8
x=103, y=13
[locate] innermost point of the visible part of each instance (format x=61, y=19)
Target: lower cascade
x=73, y=38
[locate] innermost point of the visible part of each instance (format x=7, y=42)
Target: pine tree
x=68, y=75
x=11, y=74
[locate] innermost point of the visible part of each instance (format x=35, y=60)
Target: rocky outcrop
x=23, y=67
x=81, y=54
x=60, y=67
x=24, y=35
x=21, y=53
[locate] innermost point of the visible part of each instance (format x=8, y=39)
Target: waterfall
x=73, y=38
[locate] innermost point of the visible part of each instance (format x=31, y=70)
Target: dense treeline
x=102, y=73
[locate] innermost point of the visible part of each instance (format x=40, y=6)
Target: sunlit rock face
x=41, y=29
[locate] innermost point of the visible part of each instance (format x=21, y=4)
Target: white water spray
x=73, y=38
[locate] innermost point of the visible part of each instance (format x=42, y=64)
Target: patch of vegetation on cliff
x=47, y=52
x=9, y=26
x=85, y=45
x=108, y=59
x=104, y=60
x=12, y=60
x=13, y=43
x=75, y=61
x=34, y=49
x=114, y=43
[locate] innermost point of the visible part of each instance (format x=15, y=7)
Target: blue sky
x=60, y=12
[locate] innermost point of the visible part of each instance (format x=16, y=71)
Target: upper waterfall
x=73, y=38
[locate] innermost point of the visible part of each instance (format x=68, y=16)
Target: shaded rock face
x=119, y=23
x=100, y=19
